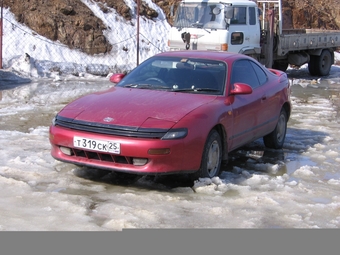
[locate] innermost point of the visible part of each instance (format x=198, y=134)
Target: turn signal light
x=224, y=47
x=162, y=151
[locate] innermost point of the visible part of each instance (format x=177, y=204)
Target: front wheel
x=276, y=138
x=211, y=158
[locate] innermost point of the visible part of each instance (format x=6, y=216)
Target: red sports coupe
x=177, y=112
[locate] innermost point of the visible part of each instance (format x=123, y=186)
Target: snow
x=298, y=189
x=46, y=55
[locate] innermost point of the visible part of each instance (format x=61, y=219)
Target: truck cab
x=254, y=28
x=231, y=25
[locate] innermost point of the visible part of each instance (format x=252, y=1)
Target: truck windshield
x=200, y=15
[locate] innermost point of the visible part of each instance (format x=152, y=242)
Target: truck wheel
x=320, y=65
x=211, y=158
x=313, y=65
x=325, y=63
x=280, y=65
x=275, y=139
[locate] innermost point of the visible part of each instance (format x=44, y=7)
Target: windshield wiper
x=132, y=85
x=145, y=86
x=195, y=89
x=205, y=89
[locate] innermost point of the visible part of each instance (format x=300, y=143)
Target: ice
x=297, y=187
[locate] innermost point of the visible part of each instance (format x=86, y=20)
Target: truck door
x=244, y=30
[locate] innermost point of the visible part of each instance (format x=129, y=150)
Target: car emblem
x=108, y=119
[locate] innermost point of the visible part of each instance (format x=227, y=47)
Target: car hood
x=135, y=107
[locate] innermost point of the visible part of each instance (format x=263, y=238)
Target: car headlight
x=175, y=134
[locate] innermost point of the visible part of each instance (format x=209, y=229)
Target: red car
x=177, y=112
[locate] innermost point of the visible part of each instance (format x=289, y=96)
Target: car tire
x=211, y=157
x=275, y=139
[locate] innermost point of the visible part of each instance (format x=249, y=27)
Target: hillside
x=322, y=14
x=73, y=23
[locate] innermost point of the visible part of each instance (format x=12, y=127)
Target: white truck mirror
x=216, y=11
x=228, y=12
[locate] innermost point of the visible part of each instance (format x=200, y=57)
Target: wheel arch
x=317, y=52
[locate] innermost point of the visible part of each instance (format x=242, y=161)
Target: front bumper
x=160, y=156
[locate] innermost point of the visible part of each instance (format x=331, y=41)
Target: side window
x=261, y=75
x=243, y=72
x=237, y=38
x=239, y=16
x=252, y=16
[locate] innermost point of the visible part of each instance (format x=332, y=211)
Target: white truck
x=253, y=28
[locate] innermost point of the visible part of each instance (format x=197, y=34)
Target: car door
x=247, y=109
x=269, y=91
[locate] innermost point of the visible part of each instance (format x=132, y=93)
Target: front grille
x=155, y=133
x=101, y=156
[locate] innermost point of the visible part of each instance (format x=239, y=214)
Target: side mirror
x=229, y=12
x=216, y=11
x=241, y=89
x=115, y=78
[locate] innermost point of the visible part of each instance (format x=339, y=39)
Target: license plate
x=96, y=145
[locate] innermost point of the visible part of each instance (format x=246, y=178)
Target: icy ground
x=297, y=187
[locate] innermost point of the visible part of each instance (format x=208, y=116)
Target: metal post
x=1, y=29
x=138, y=5
x=270, y=46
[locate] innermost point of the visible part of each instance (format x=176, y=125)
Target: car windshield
x=176, y=74
x=201, y=15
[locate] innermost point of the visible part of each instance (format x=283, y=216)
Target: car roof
x=213, y=55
